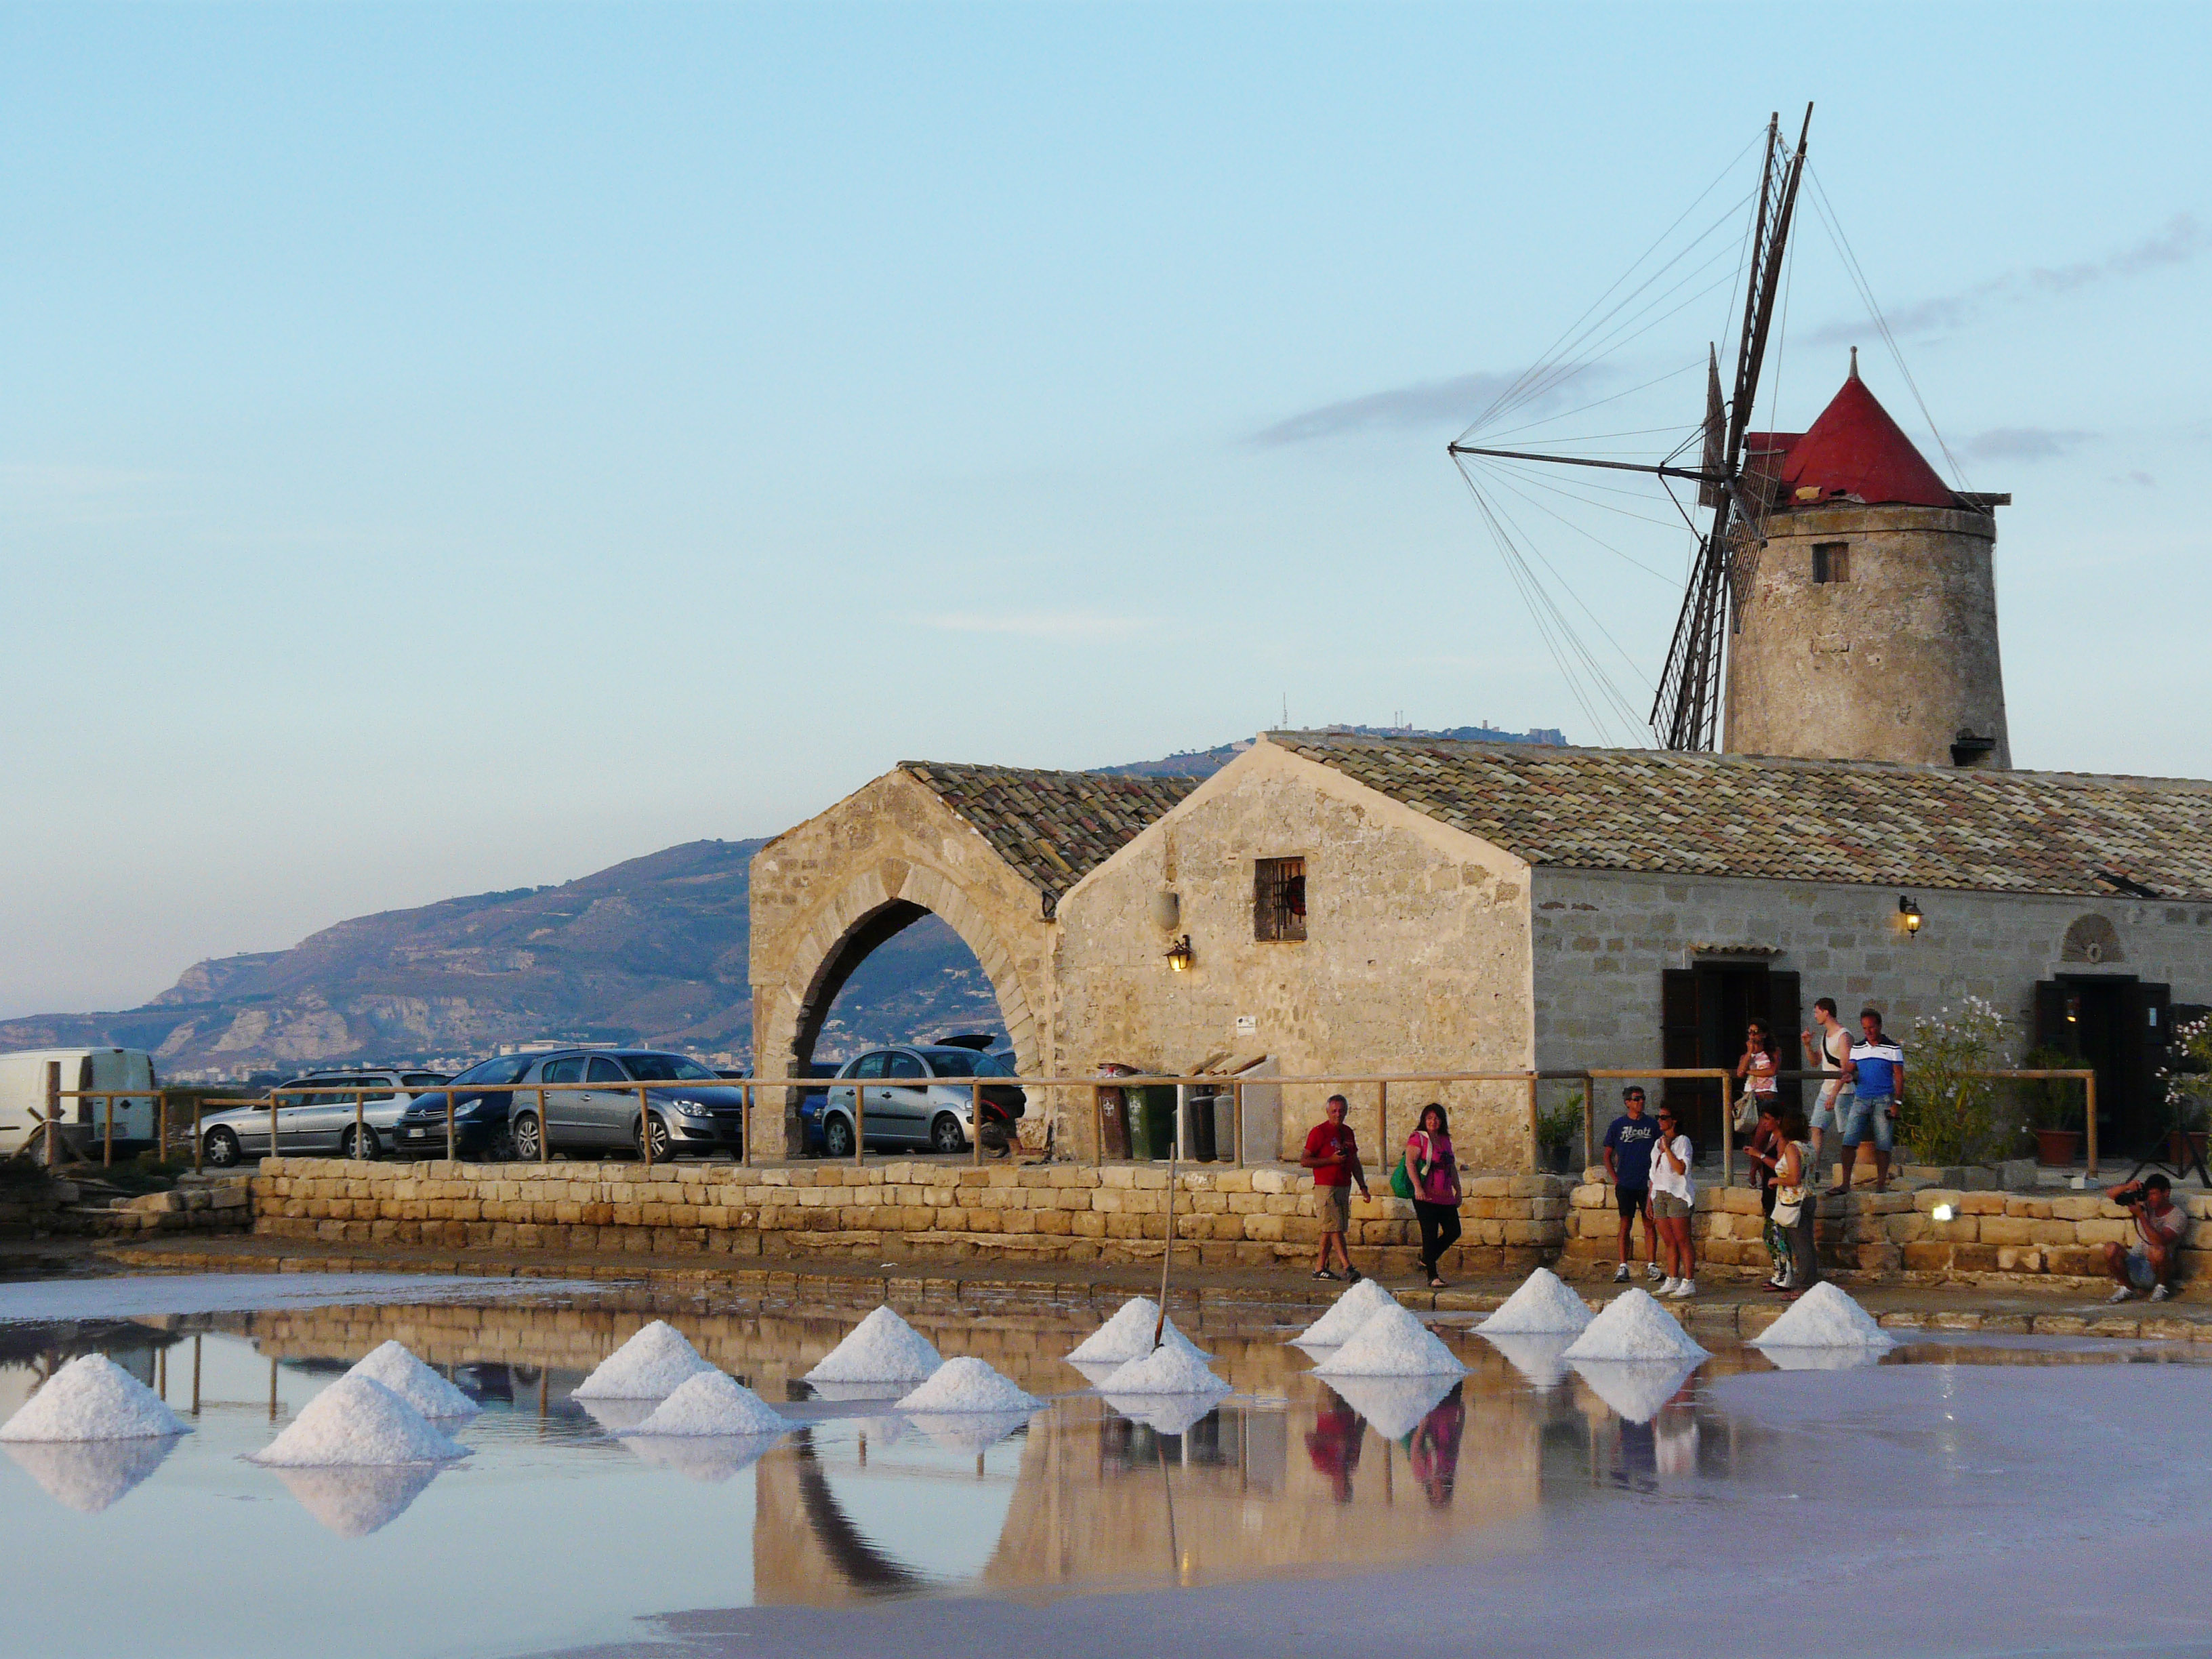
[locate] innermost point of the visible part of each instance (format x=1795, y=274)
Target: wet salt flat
x=1957, y=1496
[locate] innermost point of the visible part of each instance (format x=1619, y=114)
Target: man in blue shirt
x=1628, y=1142
x=1875, y=1071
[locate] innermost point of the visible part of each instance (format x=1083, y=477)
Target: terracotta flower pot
x=2058, y=1146
x=2184, y=1147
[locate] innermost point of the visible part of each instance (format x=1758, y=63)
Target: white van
x=26, y=1079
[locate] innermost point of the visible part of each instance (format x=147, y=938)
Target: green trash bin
x=1153, y=1134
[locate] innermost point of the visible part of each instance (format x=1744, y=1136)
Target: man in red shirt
x=1332, y=1154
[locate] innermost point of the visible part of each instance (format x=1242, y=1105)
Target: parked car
x=914, y=1095
x=480, y=1109
x=690, y=1108
x=26, y=1076
x=315, y=1116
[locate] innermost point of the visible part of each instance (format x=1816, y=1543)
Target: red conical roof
x=1855, y=449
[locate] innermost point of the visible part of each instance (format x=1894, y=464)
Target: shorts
x=1870, y=1113
x=1334, y=1203
x=1633, y=1201
x=1834, y=1106
x=1666, y=1206
x=2140, y=1273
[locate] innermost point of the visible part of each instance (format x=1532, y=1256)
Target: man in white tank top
x=1834, y=1049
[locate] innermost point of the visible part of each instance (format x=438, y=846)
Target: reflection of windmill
x=1685, y=710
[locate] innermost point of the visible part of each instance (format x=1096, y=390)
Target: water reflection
x=90, y=1475
x=713, y=1458
x=355, y=1502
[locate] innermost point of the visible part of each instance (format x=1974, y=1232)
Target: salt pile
x=968, y=1385
x=355, y=1421
x=1636, y=1388
x=88, y=1475
x=354, y=1503
x=1541, y=1307
x=414, y=1382
x=651, y=1365
x=1634, y=1327
x=1345, y=1316
x=1394, y=1406
x=1393, y=1343
x=1166, y=1371
x=92, y=1398
x=713, y=1404
x=1826, y=1316
x=882, y=1348
x=710, y=1459
x=1536, y=1357
x=970, y=1431
x=1129, y=1335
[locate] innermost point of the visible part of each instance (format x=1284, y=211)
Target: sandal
x=1435, y=1284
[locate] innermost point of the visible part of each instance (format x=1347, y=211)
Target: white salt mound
x=651, y=1365
x=1129, y=1335
x=968, y=1385
x=92, y=1398
x=1541, y=1306
x=1393, y=1343
x=1394, y=1406
x=882, y=1348
x=1636, y=1388
x=414, y=1383
x=1826, y=1316
x=712, y=1403
x=1345, y=1316
x=88, y=1475
x=1165, y=1370
x=355, y=1422
x=1634, y=1327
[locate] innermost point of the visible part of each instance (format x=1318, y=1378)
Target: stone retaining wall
x=55, y=1209
x=2030, y=1237
x=1229, y=1217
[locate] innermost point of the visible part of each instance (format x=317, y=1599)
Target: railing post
x=1536, y=1143
x=272, y=1152
x=108, y=1132
x=360, y=1140
x=1237, y=1120
x=196, y=1103
x=2089, y=1119
x=744, y=1125
x=975, y=1118
x=544, y=1130
x=1098, y=1125
x=1589, y=1120
x=450, y=1141
x=645, y=1125
x=1727, y=1128
x=859, y=1120
x=1383, y=1125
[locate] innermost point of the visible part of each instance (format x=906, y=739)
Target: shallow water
x=559, y=1531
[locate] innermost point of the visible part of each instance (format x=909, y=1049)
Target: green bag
x=1401, y=1183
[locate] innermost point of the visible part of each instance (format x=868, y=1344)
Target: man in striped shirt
x=1875, y=1072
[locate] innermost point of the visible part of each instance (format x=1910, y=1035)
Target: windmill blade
x=1710, y=492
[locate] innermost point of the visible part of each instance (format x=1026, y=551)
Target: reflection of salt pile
x=968, y=1385
x=882, y=1348
x=1393, y=1343
x=1166, y=1371
x=357, y=1420
x=710, y=1458
x=1542, y=1306
x=414, y=1382
x=1636, y=1390
x=1822, y=1359
x=1345, y=1316
x=970, y=1431
x=1164, y=1413
x=1825, y=1317
x=88, y=1475
x=1633, y=1327
x=92, y=1398
x=1536, y=1357
x=618, y=1416
x=888, y=1388
x=354, y=1503
x=713, y=1404
x=1394, y=1406
x=651, y=1365
x=1129, y=1335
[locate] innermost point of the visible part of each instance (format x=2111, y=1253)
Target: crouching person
x=2160, y=1226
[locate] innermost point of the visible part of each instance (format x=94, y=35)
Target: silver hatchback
x=315, y=1116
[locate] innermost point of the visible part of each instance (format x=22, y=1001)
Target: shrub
x=1949, y=1115
x=2189, y=1079
x=2052, y=1102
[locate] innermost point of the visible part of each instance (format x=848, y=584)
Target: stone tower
x=1869, y=625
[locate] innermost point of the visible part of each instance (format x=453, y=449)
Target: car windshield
x=953, y=1062
x=667, y=1068
x=506, y=1069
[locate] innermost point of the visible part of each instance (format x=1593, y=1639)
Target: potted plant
x=1556, y=1128
x=2054, y=1108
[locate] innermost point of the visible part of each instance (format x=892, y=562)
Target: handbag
x=1747, y=1113
x=1401, y=1183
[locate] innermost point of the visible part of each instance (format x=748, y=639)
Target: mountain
x=652, y=950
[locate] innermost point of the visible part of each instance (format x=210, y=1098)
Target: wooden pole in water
x=196, y=1373
x=108, y=1133
x=272, y=1387
x=1167, y=1256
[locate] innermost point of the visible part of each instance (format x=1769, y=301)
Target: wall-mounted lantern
x=1181, y=956
x=1911, y=912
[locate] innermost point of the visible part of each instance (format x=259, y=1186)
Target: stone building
x=1363, y=906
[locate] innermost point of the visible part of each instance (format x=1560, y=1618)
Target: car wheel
x=360, y=1143
x=660, y=1143
x=837, y=1138
x=222, y=1148
x=945, y=1135
x=527, y=1147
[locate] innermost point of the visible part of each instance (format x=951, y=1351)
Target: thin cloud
x=2024, y=443
x=1450, y=403
x=2177, y=242
x=1041, y=625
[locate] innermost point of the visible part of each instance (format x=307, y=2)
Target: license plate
x=415, y=1134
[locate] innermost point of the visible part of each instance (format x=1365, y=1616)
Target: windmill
x=1686, y=708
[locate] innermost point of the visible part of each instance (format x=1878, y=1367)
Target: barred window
x=1279, y=898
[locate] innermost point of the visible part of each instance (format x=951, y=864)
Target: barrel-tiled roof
x=1054, y=828
x=1864, y=822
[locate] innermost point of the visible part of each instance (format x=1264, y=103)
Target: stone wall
x=2047, y=1237
x=1415, y=958
x=54, y=1208
x=1230, y=1217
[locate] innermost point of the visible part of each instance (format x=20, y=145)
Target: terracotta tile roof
x=1862, y=821
x=1054, y=828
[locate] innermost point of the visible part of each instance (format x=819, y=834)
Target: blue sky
x=452, y=448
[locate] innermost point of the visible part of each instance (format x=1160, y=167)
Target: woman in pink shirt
x=1435, y=1175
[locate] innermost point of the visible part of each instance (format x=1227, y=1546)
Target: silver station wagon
x=315, y=1116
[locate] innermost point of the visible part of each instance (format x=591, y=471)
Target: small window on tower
x=1832, y=562
x=1279, y=898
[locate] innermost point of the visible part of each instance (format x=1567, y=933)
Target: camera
x=2127, y=1197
